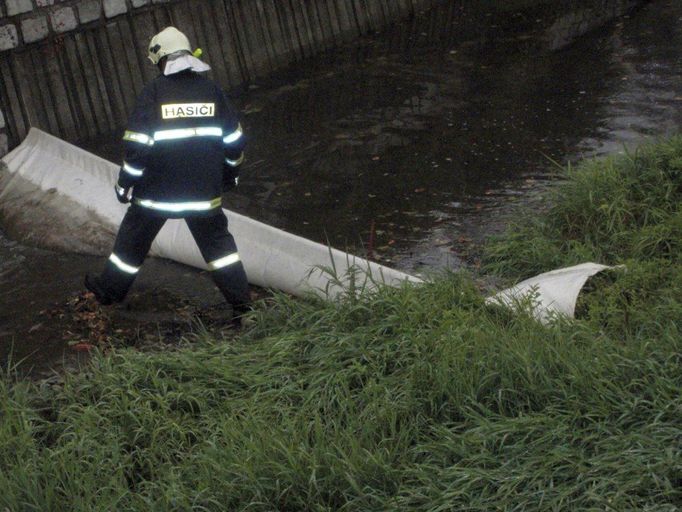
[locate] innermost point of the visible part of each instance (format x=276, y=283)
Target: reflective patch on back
x=178, y=110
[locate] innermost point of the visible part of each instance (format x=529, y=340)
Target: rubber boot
x=234, y=286
x=103, y=295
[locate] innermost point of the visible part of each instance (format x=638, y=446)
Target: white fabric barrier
x=77, y=189
x=552, y=293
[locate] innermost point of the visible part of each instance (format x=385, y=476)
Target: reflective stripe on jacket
x=178, y=138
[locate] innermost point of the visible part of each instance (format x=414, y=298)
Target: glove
x=123, y=194
x=230, y=184
x=230, y=178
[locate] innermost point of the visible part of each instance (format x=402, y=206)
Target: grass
x=610, y=210
x=418, y=398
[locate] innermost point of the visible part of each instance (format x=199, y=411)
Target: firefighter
x=183, y=148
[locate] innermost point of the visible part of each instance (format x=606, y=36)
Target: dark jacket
x=182, y=139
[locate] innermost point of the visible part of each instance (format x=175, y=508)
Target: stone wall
x=28, y=21
x=74, y=67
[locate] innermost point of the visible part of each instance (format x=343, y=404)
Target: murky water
x=410, y=146
x=432, y=143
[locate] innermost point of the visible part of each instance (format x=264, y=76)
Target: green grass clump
x=416, y=398
x=625, y=207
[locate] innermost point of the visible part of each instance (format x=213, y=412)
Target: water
x=412, y=146
x=432, y=144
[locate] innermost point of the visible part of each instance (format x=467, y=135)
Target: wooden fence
x=82, y=84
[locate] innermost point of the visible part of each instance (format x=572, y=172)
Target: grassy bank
x=420, y=398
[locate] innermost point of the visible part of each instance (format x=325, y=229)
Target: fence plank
x=333, y=21
x=209, y=41
x=343, y=13
x=255, y=38
x=143, y=27
x=97, y=95
x=39, y=95
x=303, y=37
x=361, y=16
x=131, y=55
x=108, y=78
x=82, y=103
x=16, y=118
x=121, y=73
x=271, y=35
x=240, y=31
x=286, y=21
x=235, y=67
x=55, y=79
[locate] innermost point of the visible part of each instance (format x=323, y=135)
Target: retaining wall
x=74, y=68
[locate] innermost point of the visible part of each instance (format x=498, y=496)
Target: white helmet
x=169, y=40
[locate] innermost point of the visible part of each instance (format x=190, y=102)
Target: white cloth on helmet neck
x=184, y=61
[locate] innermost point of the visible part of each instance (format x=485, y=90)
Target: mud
x=48, y=321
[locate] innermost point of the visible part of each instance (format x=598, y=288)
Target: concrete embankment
x=74, y=68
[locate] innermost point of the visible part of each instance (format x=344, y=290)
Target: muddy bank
x=47, y=321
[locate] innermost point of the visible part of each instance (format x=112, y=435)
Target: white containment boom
x=550, y=294
x=59, y=196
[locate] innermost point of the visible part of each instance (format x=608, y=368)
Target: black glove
x=230, y=178
x=123, y=194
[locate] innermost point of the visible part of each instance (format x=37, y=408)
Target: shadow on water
x=418, y=143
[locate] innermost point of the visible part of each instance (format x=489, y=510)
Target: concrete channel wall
x=74, y=67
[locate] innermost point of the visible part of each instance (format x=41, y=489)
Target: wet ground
x=412, y=147
x=48, y=319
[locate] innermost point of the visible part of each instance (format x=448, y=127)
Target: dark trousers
x=136, y=234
